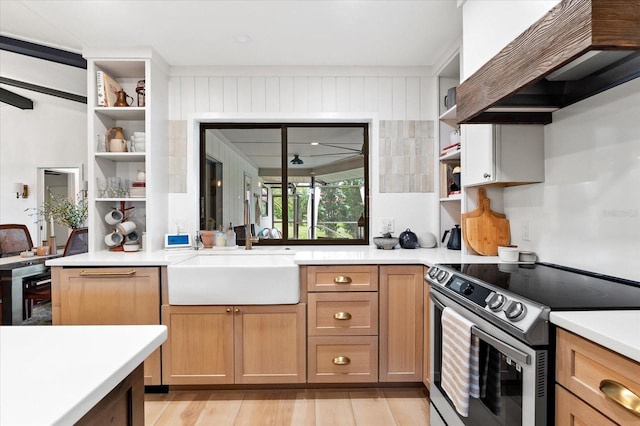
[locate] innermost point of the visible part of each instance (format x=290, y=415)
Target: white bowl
x=131, y=247
x=508, y=253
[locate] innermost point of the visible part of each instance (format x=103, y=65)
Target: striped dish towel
x=460, y=360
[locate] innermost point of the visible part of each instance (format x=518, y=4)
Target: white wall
x=587, y=212
x=318, y=93
x=51, y=135
x=489, y=25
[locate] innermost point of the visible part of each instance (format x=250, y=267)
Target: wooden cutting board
x=487, y=231
x=482, y=194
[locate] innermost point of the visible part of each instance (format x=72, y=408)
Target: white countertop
x=304, y=255
x=615, y=330
x=55, y=375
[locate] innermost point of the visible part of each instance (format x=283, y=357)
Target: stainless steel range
x=509, y=306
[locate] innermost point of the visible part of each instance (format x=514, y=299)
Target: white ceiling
x=282, y=33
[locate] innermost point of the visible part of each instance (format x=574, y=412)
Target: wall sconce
x=22, y=191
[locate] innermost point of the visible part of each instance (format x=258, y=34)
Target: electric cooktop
x=560, y=288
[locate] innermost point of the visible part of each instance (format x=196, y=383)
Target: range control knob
x=495, y=301
x=442, y=276
x=467, y=288
x=515, y=311
x=433, y=272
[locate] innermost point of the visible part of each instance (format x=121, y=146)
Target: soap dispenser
x=231, y=236
x=221, y=238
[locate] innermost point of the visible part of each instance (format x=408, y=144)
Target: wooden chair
x=14, y=239
x=39, y=288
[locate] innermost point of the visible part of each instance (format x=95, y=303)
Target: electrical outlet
x=386, y=225
x=526, y=230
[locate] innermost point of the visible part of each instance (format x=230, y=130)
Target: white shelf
x=124, y=157
x=126, y=200
x=122, y=113
x=455, y=155
x=449, y=116
x=456, y=197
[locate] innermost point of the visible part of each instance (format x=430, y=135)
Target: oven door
x=513, y=376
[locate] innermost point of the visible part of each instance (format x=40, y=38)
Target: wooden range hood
x=578, y=49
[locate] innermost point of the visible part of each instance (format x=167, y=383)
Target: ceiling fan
x=296, y=160
x=356, y=151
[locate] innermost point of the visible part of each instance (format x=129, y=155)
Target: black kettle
x=455, y=239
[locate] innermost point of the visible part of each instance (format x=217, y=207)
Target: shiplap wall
x=387, y=93
x=393, y=97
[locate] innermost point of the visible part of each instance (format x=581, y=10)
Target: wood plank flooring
x=343, y=407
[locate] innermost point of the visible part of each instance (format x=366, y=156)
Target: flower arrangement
x=62, y=210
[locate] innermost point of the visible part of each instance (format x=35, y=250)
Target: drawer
x=342, y=278
x=581, y=367
x=571, y=410
x=333, y=314
x=343, y=359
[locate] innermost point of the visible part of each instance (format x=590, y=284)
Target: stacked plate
x=138, y=141
x=138, y=189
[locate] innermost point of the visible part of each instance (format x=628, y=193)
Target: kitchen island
x=71, y=375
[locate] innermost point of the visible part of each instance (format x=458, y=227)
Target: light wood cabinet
x=234, y=344
x=342, y=323
x=401, y=323
x=109, y=296
x=342, y=278
x=343, y=359
x=270, y=344
x=581, y=368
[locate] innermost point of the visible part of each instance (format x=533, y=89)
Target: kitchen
x=602, y=238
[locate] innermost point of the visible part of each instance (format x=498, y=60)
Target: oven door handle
x=508, y=350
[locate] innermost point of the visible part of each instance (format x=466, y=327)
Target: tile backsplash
x=406, y=156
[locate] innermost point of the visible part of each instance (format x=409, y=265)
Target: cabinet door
x=401, y=322
x=571, y=410
x=109, y=296
x=199, y=347
x=479, y=154
x=270, y=344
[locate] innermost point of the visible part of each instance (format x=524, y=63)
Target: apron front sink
x=241, y=278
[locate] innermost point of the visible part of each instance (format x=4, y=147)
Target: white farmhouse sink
x=241, y=278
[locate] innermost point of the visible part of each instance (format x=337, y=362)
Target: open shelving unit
x=149, y=213
x=450, y=204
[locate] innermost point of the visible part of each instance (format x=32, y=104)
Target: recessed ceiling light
x=315, y=143
x=243, y=39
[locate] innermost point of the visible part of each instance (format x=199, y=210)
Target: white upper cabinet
x=503, y=154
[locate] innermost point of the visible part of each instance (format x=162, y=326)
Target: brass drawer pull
x=342, y=316
x=621, y=395
x=85, y=273
x=342, y=279
x=341, y=360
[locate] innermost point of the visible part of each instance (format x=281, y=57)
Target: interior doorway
x=65, y=181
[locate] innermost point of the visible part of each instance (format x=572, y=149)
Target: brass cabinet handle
x=342, y=279
x=86, y=273
x=237, y=310
x=228, y=310
x=342, y=316
x=621, y=395
x=341, y=360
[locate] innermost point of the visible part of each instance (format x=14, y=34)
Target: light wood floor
x=345, y=407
